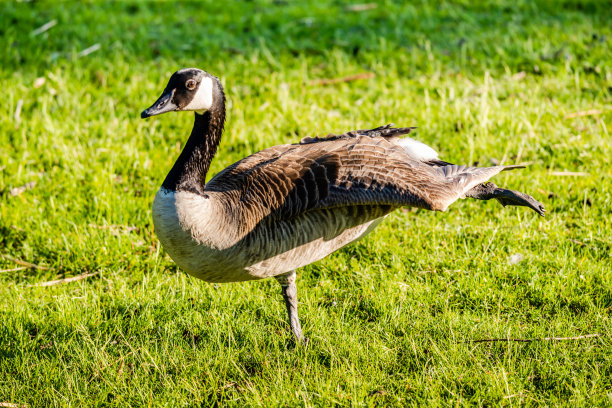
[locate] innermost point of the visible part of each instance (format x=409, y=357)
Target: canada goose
x=290, y=205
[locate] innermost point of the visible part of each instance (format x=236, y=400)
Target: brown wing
x=346, y=170
x=281, y=182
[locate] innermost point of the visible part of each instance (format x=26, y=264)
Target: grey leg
x=289, y=291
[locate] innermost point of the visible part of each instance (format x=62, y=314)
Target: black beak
x=162, y=105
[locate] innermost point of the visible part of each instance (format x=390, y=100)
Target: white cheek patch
x=203, y=99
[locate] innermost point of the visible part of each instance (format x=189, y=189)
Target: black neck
x=189, y=171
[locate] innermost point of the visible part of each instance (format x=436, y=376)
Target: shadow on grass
x=507, y=33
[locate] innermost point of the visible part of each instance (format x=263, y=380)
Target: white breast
x=194, y=234
x=206, y=240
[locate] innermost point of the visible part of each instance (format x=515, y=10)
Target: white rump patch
x=203, y=99
x=417, y=150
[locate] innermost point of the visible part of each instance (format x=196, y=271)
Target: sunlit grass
x=391, y=318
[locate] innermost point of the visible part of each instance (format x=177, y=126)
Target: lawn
x=393, y=320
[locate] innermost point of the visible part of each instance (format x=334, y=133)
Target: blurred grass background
x=391, y=318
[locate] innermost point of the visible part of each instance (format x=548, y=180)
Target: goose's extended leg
x=289, y=291
x=505, y=197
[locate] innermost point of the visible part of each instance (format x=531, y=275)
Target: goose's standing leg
x=289, y=291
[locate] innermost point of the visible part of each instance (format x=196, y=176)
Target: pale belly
x=203, y=240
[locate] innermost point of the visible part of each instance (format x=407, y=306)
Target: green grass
x=391, y=318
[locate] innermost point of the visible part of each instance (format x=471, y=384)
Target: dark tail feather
x=506, y=197
x=384, y=131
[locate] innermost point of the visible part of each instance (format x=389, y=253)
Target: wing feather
x=355, y=169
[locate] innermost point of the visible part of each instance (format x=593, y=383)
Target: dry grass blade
x=98, y=372
x=89, y=50
x=568, y=173
x=18, y=190
x=38, y=82
x=514, y=396
x=66, y=280
x=21, y=268
x=590, y=112
x=43, y=28
x=116, y=227
x=515, y=258
x=11, y=405
x=17, y=115
x=24, y=263
x=331, y=81
x=361, y=7
x=585, y=336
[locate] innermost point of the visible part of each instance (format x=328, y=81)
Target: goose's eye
x=190, y=84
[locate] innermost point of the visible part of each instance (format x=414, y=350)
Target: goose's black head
x=189, y=89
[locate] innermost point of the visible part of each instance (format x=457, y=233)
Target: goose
x=293, y=204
